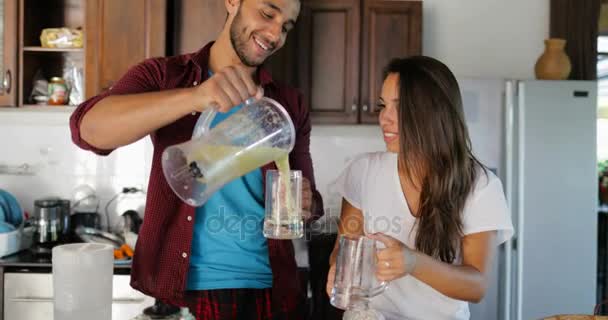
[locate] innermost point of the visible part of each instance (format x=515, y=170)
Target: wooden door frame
x=10, y=53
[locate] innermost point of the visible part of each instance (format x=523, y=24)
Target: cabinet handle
x=353, y=108
x=365, y=108
x=6, y=83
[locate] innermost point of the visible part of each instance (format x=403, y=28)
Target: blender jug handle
x=203, y=124
x=204, y=121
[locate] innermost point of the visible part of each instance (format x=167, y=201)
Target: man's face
x=260, y=28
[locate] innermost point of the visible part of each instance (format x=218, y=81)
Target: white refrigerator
x=540, y=138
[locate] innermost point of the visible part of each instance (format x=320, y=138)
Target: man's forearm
x=119, y=120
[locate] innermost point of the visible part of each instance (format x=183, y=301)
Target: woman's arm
x=467, y=281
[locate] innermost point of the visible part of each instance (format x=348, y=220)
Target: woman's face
x=388, y=105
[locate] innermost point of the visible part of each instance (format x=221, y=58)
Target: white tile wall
x=41, y=140
x=332, y=147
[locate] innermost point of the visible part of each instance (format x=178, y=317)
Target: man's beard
x=239, y=44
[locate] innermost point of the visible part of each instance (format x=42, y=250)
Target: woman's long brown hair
x=435, y=147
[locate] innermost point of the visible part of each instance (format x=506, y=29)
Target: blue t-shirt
x=228, y=247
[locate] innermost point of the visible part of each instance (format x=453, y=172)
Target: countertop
x=27, y=259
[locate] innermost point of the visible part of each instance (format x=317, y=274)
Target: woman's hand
x=395, y=261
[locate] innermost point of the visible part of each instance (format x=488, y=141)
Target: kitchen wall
x=486, y=38
x=41, y=142
x=38, y=159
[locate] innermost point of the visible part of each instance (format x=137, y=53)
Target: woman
x=439, y=213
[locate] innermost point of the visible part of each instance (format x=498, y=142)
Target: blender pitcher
x=355, y=280
x=257, y=134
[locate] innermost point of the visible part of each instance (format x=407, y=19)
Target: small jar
x=58, y=91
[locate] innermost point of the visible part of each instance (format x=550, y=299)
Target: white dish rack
x=15, y=241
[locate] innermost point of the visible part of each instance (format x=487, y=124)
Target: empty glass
x=283, y=205
x=82, y=281
x=355, y=280
x=257, y=134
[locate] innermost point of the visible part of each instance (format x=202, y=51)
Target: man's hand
x=306, y=199
x=226, y=89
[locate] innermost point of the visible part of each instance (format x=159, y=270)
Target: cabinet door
x=121, y=34
x=196, y=22
x=390, y=29
x=328, y=49
x=8, y=52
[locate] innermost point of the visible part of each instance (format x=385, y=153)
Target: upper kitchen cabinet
x=390, y=29
x=343, y=47
x=122, y=33
x=329, y=47
x=8, y=52
x=196, y=23
x=111, y=36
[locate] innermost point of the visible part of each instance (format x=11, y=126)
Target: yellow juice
x=226, y=163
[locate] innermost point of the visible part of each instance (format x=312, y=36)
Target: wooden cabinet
x=122, y=33
x=196, y=23
x=329, y=48
x=117, y=35
x=334, y=55
x=344, y=45
x=340, y=50
x=8, y=52
x=390, y=29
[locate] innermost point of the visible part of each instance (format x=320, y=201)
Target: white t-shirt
x=371, y=184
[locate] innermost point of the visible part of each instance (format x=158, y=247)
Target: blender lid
x=47, y=202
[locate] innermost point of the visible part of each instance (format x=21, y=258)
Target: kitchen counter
x=26, y=289
x=25, y=260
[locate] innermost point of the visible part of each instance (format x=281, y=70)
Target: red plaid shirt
x=162, y=258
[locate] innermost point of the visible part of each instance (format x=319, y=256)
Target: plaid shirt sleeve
x=144, y=77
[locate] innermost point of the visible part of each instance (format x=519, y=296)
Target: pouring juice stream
x=242, y=161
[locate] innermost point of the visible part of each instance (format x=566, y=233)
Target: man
x=180, y=259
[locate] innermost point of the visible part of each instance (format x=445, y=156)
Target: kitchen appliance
x=540, y=137
x=258, y=133
x=92, y=235
x=162, y=311
x=51, y=223
x=82, y=281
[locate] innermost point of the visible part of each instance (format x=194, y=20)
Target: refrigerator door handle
x=507, y=291
x=521, y=192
